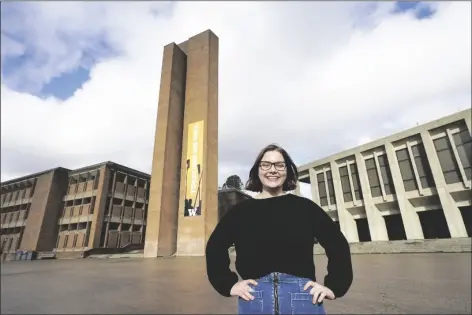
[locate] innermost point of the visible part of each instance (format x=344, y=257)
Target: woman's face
x=272, y=170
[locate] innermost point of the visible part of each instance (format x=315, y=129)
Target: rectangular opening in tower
x=395, y=227
x=434, y=224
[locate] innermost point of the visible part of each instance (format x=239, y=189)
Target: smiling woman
x=273, y=236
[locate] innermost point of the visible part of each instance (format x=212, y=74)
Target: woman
x=273, y=235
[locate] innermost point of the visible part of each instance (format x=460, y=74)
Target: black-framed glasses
x=279, y=166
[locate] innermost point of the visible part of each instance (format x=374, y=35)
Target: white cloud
x=296, y=73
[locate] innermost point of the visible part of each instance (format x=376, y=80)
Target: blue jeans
x=280, y=293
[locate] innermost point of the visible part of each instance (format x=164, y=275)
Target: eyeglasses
x=279, y=166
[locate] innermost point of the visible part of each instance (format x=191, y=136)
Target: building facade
x=70, y=211
x=415, y=184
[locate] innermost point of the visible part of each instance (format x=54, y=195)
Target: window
x=373, y=177
x=332, y=196
x=463, y=143
x=406, y=170
x=346, y=187
x=356, y=185
x=422, y=166
x=322, y=189
x=386, y=175
x=446, y=160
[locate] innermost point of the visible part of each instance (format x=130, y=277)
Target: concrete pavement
x=396, y=283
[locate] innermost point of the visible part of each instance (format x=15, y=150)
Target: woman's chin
x=273, y=186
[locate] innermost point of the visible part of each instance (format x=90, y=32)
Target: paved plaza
x=398, y=283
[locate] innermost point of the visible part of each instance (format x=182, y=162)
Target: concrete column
x=468, y=123
x=297, y=189
x=315, y=195
x=351, y=184
x=328, y=195
x=458, y=159
x=377, y=227
x=413, y=165
x=381, y=180
x=162, y=216
x=346, y=221
x=451, y=211
x=411, y=220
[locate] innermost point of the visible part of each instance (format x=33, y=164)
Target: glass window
x=446, y=160
x=356, y=185
x=373, y=177
x=322, y=190
x=332, y=196
x=422, y=166
x=346, y=187
x=463, y=143
x=386, y=174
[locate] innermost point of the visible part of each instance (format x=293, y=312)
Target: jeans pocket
x=252, y=306
x=302, y=303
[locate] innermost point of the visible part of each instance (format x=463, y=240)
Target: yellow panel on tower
x=194, y=171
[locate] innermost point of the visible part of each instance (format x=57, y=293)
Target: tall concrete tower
x=183, y=202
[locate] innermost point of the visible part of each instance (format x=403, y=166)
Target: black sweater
x=277, y=235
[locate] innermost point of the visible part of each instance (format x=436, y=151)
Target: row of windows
x=447, y=160
x=449, y=165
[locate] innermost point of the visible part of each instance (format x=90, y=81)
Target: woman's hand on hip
x=242, y=289
x=319, y=292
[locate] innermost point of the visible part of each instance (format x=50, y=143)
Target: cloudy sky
x=80, y=80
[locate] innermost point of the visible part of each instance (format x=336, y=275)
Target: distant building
x=70, y=211
x=67, y=212
x=415, y=184
x=229, y=197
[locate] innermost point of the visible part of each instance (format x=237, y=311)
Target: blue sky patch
x=420, y=9
x=65, y=85
x=57, y=65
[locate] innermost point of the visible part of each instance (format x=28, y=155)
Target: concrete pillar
x=377, y=227
x=40, y=231
x=468, y=123
x=315, y=195
x=161, y=229
x=297, y=189
x=411, y=220
x=98, y=216
x=346, y=221
x=451, y=211
x=199, y=183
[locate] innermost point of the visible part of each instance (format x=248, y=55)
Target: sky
x=80, y=80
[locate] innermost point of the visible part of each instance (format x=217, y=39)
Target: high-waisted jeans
x=280, y=293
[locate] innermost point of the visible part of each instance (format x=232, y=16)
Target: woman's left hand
x=319, y=292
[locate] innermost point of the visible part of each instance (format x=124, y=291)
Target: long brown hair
x=254, y=183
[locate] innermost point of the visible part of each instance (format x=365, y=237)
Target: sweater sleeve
x=217, y=257
x=330, y=237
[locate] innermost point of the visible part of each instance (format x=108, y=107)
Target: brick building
x=70, y=211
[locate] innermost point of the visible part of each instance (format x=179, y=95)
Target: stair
x=450, y=245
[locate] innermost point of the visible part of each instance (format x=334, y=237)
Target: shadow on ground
x=397, y=283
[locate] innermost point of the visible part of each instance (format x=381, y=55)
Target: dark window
x=355, y=182
x=463, y=143
x=322, y=189
x=406, y=170
x=373, y=177
x=346, y=187
x=332, y=196
x=386, y=175
x=422, y=165
x=446, y=160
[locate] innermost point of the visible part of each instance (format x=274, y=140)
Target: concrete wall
x=392, y=197
x=40, y=232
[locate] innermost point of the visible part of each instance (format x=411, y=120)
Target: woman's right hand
x=242, y=289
